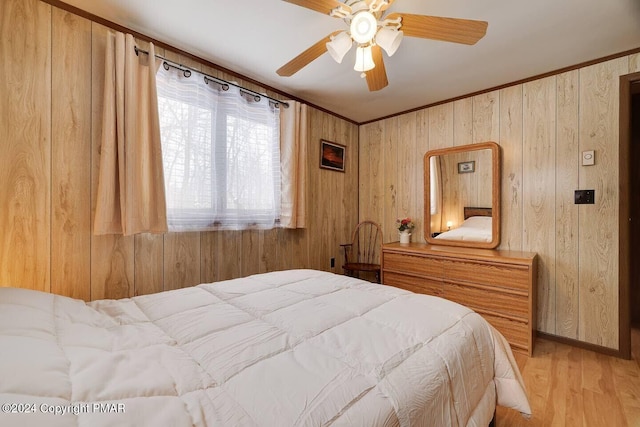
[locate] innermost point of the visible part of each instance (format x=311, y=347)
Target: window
x=221, y=155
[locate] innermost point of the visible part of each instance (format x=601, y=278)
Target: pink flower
x=405, y=224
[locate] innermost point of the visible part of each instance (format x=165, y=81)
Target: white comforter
x=299, y=347
x=473, y=229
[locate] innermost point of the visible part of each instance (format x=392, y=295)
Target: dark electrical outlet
x=585, y=197
x=333, y=262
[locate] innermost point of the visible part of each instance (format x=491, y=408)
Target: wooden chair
x=363, y=253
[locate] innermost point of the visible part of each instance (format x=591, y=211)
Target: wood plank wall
x=25, y=105
x=50, y=124
x=542, y=127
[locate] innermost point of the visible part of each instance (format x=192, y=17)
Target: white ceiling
x=256, y=37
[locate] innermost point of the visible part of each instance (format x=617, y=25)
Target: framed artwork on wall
x=466, y=167
x=332, y=155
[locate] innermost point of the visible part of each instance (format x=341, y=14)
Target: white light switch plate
x=588, y=158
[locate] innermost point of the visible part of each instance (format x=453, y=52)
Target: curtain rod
x=223, y=83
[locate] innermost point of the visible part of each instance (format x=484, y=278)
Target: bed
x=297, y=347
x=476, y=227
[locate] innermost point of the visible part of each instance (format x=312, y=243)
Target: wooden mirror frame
x=495, y=195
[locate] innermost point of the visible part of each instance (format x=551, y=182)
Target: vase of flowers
x=405, y=227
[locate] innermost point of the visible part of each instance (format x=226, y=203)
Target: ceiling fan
x=372, y=32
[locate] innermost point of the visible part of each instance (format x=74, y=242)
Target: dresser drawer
x=499, y=285
x=517, y=334
x=413, y=264
x=419, y=285
x=478, y=297
x=502, y=275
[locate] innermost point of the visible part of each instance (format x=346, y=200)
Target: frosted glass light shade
x=389, y=39
x=339, y=46
x=364, y=59
x=363, y=27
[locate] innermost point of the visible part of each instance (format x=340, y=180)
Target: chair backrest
x=367, y=243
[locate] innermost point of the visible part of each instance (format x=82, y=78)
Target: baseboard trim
x=581, y=344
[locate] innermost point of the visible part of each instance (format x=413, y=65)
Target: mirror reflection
x=462, y=206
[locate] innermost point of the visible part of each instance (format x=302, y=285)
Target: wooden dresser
x=499, y=285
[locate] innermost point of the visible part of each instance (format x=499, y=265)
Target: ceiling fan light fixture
x=363, y=27
x=339, y=46
x=389, y=39
x=364, y=59
x=373, y=29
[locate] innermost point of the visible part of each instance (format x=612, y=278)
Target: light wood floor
x=569, y=386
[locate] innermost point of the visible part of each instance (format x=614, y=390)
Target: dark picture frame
x=332, y=155
x=467, y=167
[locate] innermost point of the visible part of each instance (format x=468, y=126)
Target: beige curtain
x=293, y=158
x=435, y=190
x=435, y=193
x=130, y=195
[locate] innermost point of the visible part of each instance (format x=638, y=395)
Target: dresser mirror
x=462, y=196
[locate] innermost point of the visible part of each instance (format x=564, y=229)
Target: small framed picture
x=467, y=167
x=332, y=155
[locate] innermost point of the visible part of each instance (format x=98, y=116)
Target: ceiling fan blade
x=322, y=6
x=454, y=30
x=377, y=77
x=306, y=57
